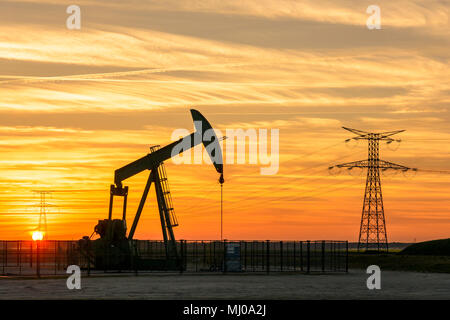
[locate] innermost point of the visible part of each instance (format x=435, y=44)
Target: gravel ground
x=394, y=285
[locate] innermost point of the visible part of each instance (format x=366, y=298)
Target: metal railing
x=52, y=257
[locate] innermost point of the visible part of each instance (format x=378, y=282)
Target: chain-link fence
x=52, y=257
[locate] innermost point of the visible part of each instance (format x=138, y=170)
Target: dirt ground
x=394, y=285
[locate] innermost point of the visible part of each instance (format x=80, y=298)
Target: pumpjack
x=117, y=250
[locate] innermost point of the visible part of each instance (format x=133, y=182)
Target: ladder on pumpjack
x=166, y=209
x=165, y=190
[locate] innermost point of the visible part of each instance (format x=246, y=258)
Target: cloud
x=75, y=106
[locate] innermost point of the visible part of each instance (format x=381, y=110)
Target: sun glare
x=37, y=235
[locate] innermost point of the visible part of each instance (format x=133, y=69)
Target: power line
x=434, y=171
x=287, y=186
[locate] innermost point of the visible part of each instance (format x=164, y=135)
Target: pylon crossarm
x=355, y=131
x=389, y=133
x=363, y=135
x=382, y=164
x=359, y=138
x=379, y=138
x=354, y=164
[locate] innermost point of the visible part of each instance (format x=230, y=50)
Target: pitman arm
x=153, y=159
x=149, y=161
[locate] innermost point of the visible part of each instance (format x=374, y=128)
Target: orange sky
x=77, y=104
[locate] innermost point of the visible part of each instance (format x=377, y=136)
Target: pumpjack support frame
x=154, y=161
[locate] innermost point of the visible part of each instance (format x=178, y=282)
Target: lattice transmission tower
x=372, y=232
x=43, y=205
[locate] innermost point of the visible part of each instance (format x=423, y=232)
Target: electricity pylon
x=42, y=226
x=372, y=232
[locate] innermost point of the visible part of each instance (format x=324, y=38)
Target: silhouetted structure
x=42, y=226
x=372, y=233
x=115, y=248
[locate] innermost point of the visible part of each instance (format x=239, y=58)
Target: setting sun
x=37, y=235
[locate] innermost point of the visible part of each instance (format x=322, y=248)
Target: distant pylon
x=372, y=232
x=42, y=226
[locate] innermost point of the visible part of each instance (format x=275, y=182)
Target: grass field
x=440, y=247
x=400, y=262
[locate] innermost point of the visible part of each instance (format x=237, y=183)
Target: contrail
x=94, y=76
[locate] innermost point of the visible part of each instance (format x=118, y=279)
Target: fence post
x=332, y=262
x=346, y=256
x=135, y=256
x=245, y=255
x=105, y=259
x=182, y=256
x=211, y=254
x=295, y=263
x=323, y=255
x=3, y=257
x=214, y=254
x=281, y=255
x=56, y=253
x=204, y=254
x=308, y=256
x=196, y=256
x=88, y=256
x=224, y=256
x=20, y=257
x=268, y=255
x=5, y=261
x=38, y=261
x=301, y=255
x=240, y=255
x=252, y=256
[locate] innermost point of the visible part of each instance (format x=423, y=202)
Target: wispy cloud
x=76, y=105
